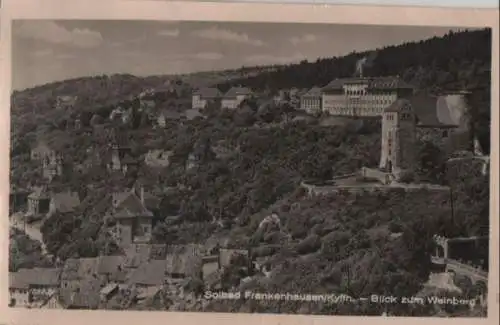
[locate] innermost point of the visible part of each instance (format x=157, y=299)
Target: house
x=52, y=302
x=234, y=96
x=120, y=158
x=27, y=286
x=363, y=96
x=38, y=202
x=192, y=161
x=63, y=202
x=167, y=115
x=65, y=102
x=52, y=166
x=80, y=284
x=78, y=270
x=86, y=296
x=148, y=277
x=435, y=123
x=158, y=158
x=184, y=261
x=133, y=221
x=41, y=151
x=111, y=269
x=201, y=97
x=311, y=101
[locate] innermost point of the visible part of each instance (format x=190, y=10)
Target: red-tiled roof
x=373, y=83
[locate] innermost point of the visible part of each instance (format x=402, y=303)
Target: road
x=31, y=230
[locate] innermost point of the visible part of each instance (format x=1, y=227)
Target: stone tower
x=397, y=154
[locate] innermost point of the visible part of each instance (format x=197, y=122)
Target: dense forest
x=349, y=243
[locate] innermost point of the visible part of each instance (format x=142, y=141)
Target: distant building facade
x=363, y=96
x=311, y=101
x=233, y=98
x=202, y=96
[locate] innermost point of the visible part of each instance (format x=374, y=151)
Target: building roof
x=397, y=106
x=25, y=278
x=128, y=205
x=313, y=92
x=66, y=201
x=208, y=92
x=79, y=268
x=169, y=114
x=151, y=273
x=393, y=82
x=86, y=296
x=109, y=264
x=237, y=91
x=138, y=254
x=430, y=111
x=192, y=113
x=39, y=193
x=184, y=259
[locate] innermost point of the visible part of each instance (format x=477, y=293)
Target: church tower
x=397, y=154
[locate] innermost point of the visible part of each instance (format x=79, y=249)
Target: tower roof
x=399, y=105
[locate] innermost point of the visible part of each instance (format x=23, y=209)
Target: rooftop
x=66, y=201
x=393, y=82
x=209, y=92
x=25, y=278
x=236, y=91
x=313, y=92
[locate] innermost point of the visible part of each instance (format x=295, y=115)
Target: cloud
x=169, y=32
x=52, y=32
x=208, y=56
x=215, y=33
x=308, y=38
x=273, y=59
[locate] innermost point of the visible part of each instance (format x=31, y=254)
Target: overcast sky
x=45, y=51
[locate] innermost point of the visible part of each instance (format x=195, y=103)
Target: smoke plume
x=365, y=62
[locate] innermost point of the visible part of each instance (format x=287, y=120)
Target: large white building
x=363, y=96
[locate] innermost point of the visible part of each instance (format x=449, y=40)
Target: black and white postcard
x=240, y=166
